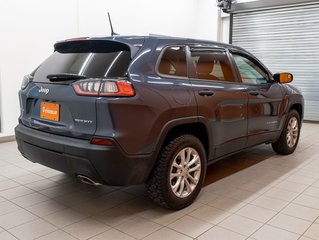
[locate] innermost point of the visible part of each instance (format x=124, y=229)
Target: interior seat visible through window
x=205, y=66
x=211, y=64
x=173, y=62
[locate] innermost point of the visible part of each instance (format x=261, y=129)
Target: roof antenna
x=112, y=31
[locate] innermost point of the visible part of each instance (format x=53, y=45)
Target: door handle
x=254, y=93
x=206, y=92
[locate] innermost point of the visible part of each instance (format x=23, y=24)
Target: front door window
x=250, y=73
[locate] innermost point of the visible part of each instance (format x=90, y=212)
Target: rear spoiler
x=94, y=46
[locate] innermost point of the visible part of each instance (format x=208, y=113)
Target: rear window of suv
x=88, y=60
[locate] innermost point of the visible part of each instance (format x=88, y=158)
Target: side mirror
x=283, y=77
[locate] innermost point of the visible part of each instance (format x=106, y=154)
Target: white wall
x=190, y=18
x=30, y=28
x=223, y=27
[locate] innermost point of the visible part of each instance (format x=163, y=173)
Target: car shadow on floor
x=93, y=200
x=237, y=162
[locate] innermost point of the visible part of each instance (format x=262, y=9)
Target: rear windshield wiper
x=60, y=77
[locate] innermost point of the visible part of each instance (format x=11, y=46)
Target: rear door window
x=212, y=64
x=173, y=62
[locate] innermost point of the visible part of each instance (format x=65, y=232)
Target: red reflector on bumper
x=102, y=141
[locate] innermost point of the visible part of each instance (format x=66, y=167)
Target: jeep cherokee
x=127, y=110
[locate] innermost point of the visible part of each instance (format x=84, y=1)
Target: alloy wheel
x=185, y=172
x=292, y=132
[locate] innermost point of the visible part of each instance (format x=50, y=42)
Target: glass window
x=94, y=65
x=212, y=65
x=93, y=59
x=250, y=72
x=173, y=62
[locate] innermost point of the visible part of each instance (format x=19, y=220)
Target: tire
x=289, y=137
x=171, y=185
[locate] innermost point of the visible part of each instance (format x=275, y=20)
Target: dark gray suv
x=156, y=110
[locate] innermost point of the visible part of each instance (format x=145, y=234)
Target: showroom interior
x=255, y=194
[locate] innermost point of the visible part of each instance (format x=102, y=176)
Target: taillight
x=87, y=87
x=121, y=88
x=98, y=87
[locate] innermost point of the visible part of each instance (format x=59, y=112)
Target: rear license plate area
x=50, y=111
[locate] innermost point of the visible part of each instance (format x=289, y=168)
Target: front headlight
x=25, y=81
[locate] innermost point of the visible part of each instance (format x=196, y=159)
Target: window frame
x=211, y=49
x=159, y=58
x=255, y=61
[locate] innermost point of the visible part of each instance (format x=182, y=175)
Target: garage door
x=286, y=39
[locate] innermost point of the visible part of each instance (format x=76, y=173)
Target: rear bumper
x=106, y=165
